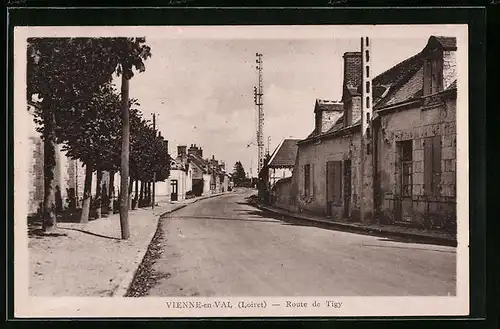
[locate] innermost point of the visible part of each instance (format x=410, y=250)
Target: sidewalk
x=90, y=259
x=417, y=234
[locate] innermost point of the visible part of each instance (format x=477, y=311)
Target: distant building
x=281, y=162
x=192, y=175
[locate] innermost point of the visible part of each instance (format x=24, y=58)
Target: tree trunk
x=49, y=163
x=136, y=194
x=129, y=190
x=111, y=192
x=141, y=194
x=98, y=196
x=105, y=199
x=87, y=193
x=149, y=193
x=124, y=224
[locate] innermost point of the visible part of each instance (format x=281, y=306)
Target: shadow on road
x=90, y=233
x=384, y=236
x=225, y=218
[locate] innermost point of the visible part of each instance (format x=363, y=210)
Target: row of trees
x=96, y=124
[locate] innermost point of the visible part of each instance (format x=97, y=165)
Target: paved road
x=225, y=247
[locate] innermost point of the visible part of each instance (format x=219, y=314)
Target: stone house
x=390, y=154
x=281, y=162
x=179, y=183
x=69, y=174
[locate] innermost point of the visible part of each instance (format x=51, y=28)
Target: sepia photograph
x=201, y=171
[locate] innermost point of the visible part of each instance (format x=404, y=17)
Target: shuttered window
x=334, y=181
x=338, y=182
x=313, y=186
x=307, y=179
x=433, y=76
x=427, y=77
x=432, y=165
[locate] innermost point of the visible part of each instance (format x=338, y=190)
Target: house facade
x=69, y=175
x=390, y=154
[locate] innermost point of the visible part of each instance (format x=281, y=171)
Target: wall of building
x=206, y=184
x=317, y=155
x=417, y=124
x=449, y=68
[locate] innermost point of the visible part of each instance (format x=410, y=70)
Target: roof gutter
x=399, y=106
x=336, y=133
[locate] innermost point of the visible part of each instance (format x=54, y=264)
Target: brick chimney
x=181, y=150
x=351, y=87
x=200, y=152
x=193, y=149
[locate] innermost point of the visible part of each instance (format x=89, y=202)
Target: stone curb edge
x=125, y=283
x=437, y=240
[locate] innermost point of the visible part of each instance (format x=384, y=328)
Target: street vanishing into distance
x=223, y=246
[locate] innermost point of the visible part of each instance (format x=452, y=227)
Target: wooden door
x=174, y=190
x=347, y=188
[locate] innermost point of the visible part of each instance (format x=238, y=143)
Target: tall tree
x=238, y=173
x=133, y=52
x=60, y=70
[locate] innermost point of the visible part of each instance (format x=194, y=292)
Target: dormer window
x=433, y=74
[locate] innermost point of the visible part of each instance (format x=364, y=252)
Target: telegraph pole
x=259, y=102
x=154, y=171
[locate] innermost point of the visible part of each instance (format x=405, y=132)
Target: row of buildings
x=193, y=175
x=385, y=152
x=190, y=175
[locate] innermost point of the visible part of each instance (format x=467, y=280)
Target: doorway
x=347, y=188
x=330, y=187
x=174, y=190
x=405, y=180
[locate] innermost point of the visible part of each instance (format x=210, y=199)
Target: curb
x=125, y=283
x=436, y=240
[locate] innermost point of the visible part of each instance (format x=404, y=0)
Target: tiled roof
x=198, y=161
x=406, y=88
x=388, y=82
x=404, y=81
x=337, y=126
x=285, y=153
x=449, y=43
x=326, y=105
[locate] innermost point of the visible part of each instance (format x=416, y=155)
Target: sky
x=201, y=88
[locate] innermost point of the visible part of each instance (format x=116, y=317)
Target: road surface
x=224, y=247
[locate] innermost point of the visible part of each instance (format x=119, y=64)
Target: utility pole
x=154, y=171
x=268, y=144
x=259, y=102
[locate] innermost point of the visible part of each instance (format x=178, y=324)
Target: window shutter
x=313, y=187
x=328, y=181
x=338, y=182
x=439, y=74
x=427, y=77
x=334, y=181
x=428, y=166
x=436, y=164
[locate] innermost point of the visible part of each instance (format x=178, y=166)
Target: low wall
x=281, y=194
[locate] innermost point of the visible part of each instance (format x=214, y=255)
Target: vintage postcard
x=241, y=171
